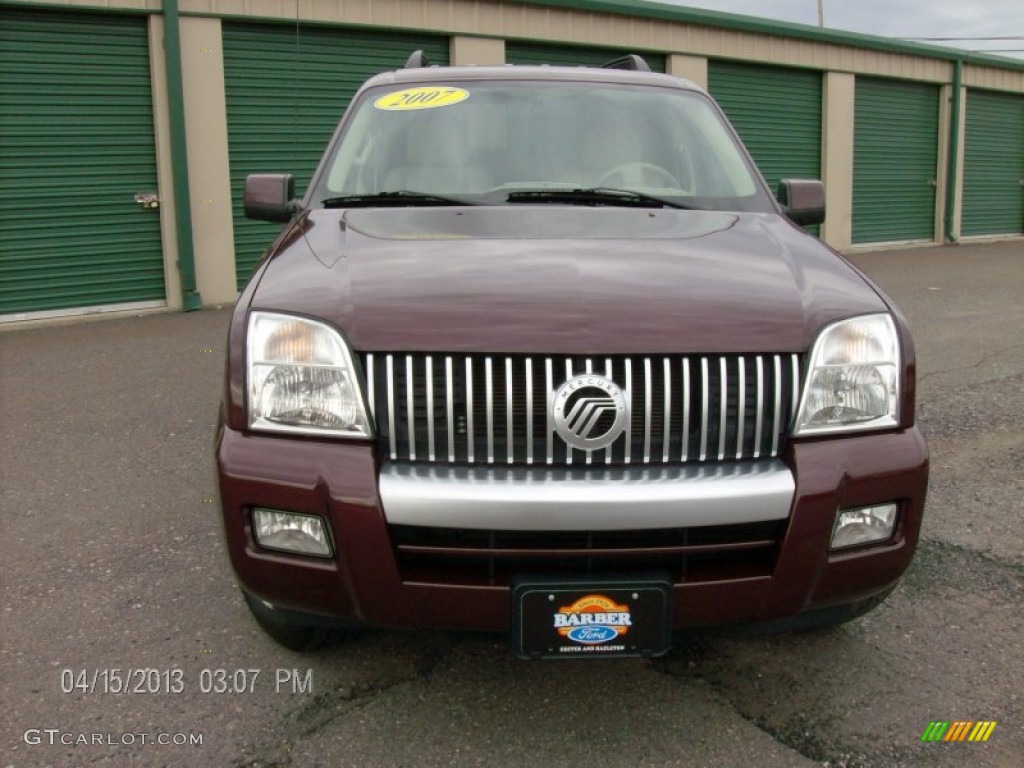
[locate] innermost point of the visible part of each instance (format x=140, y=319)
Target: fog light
x=290, y=532
x=855, y=527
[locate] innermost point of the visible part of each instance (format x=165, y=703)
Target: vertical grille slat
x=470, y=433
x=450, y=406
x=794, y=391
x=509, y=425
x=608, y=372
x=647, y=410
x=760, y=407
x=489, y=390
x=477, y=408
x=777, y=412
x=548, y=379
x=529, y=410
x=741, y=418
x=685, y=455
x=431, y=438
x=629, y=416
x=370, y=388
x=704, y=409
x=667, y=434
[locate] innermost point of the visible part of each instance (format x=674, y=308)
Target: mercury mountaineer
x=538, y=342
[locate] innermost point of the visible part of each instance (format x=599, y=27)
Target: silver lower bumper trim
x=572, y=499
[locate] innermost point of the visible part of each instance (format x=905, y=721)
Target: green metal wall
x=573, y=55
x=993, y=201
x=777, y=112
x=76, y=144
x=895, y=156
x=286, y=91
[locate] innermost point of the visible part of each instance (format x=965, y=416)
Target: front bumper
x=367, y=580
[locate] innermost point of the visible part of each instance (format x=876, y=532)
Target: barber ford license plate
x=591, y=619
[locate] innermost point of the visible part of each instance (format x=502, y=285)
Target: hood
x=557, y=279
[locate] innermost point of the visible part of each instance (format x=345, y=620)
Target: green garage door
x=573, y=55
x=777, y=113
x=993, y=164
x=896, y=139
x=286, y=92
x=76, y=145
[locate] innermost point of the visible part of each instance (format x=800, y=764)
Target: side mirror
x=803, y=200
x=268, y=196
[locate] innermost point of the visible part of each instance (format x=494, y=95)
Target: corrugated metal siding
x=573, y=55
x=76, y=144
x=993, y=164
x=777, y=113
x=895, y=155
x=287, y=89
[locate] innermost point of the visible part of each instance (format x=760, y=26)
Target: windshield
x=491, y=141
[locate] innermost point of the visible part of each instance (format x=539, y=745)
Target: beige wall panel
x=505, y=20
x=206, y=128
x=500, y=19
x=837, y=136
x=164, y=166
x=942, y=175
x=996, y=79
x=114, y=5
x=477, y=50
x=958, y=200
x=693, y=68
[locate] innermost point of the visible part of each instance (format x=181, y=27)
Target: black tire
x=286, y=630
x=812, y=621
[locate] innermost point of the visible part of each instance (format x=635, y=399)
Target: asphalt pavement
x=121, y=626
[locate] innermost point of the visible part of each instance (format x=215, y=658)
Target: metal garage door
x=895, y=155
x=573, y=55
x=286, y=91
x=76, y=145
x=777, y=113
x=993, y=164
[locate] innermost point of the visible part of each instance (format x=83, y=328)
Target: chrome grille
x=496, y=409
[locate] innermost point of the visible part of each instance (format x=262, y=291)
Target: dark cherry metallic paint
x=338, y=481
x=569, y=280
x=741, y=283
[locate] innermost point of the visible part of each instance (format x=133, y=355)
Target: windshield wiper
x=595, y=196
x=398, y=197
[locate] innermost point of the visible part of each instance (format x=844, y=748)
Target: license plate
x=591, y=619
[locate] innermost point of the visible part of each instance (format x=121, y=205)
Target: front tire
x=293, y=635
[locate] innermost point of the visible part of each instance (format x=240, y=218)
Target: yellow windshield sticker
x=425, y=97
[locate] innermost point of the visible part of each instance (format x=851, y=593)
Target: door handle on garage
x=147, y=199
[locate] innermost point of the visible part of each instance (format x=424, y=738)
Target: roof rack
x=630, y=61
x=417, y=60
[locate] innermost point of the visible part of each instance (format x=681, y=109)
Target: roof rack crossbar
x=417, y=60
x=630, y=61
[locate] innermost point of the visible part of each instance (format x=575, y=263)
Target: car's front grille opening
x=496, y=409
x=469, y=557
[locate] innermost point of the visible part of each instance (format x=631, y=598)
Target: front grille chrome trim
x=484, y=409
x=581, y=499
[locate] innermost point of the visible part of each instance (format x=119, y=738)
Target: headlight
x=301, y=378
x=853, y=379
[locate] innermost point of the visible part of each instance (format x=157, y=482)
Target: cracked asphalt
x=110, y=558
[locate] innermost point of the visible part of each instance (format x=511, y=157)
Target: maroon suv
x=539, y=353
